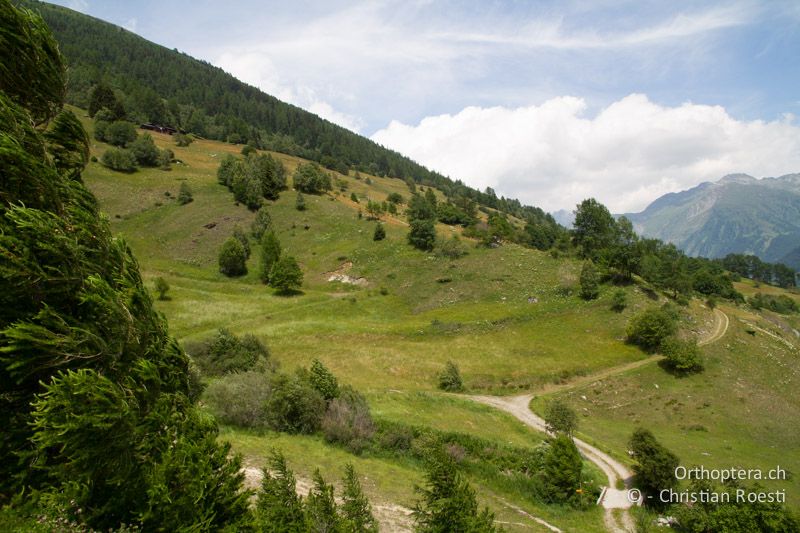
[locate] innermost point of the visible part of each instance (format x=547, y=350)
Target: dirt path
x=612, y=497
x=721, y=323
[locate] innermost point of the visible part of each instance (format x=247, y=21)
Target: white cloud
x=553, y=155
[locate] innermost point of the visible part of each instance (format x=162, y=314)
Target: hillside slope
x=737, y=214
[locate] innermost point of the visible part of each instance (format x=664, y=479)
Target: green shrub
x=119, y=133
x=654, y=468
x=619, y=301
x=238, y=399
x=323, y=380
x=185, y=194
x=162, y=287
x=300, y=202
x=353, y=197
x=226, y=353
x=450, y=378
x=119, y=159
x=182, y=140
x=422, y=234
x=311, y=179
x=232, y=258
x=649, y=328
x=682, y=356
x=241, y=236
x=294, y=406
x=261, y=224
x=380, y=232
x=451, y=248
x=589, y=282
x=560, y=418
x=145, y=151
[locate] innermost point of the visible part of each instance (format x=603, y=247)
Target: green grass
x=742, y=411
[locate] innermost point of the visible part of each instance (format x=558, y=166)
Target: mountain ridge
x=736, y=214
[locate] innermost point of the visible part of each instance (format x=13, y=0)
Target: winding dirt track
x=612, y=498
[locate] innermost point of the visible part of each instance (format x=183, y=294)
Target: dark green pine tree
x=279, y=509
x=320, y=507
x=561, y=474
x=589, y=282
x=356, y=510
x=448, y=502
x=95, y=409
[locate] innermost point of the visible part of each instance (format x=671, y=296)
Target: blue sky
x=546, y=101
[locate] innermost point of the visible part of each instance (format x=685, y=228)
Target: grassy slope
x=389, y=346
x=742, y=411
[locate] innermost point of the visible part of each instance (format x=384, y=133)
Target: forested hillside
x=168, y=87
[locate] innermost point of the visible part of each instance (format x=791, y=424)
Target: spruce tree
x=321, y=512
x=561, y=474
x=655, y=465
x=279, y=509
x=356, y=510
x=380, y=232
x=270, y=253
x=241, y=236
x=96, y=408
x=448, y=502
x=323, y=380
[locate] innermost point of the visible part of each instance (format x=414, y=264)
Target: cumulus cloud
x=553, y=155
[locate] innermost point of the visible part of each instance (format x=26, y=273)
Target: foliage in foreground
x=96, y=406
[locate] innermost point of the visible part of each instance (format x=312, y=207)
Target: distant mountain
x=737, y=214
x=564, y=217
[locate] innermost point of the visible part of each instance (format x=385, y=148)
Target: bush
x=261, y=224
x=348, y=421
x=294, y=406
x=682, y=356
x=300, y=202
x=655, y=466
x=162, y=287
x=422, y=234
x=619, y=301
x=232, y=258
x=560, y=418
x=286, y=275
x=145, y=151
x=311, y=179
x=649, y=328
x=226, y=170
x=779, y=304
x=119, y=159
x=242, y=238
x=380, y=232
x=238, y=399
x=589, y=281
x=451, y=248
x=185, y=194
x=119, y=133
x=248, y=149
x=395, y=198
x=450, y=378
x=182, y=140
x=226, y=353
x=353, y=197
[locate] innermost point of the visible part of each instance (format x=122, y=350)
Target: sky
x=550, y=102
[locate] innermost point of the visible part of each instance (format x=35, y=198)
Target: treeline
x=750, y=266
